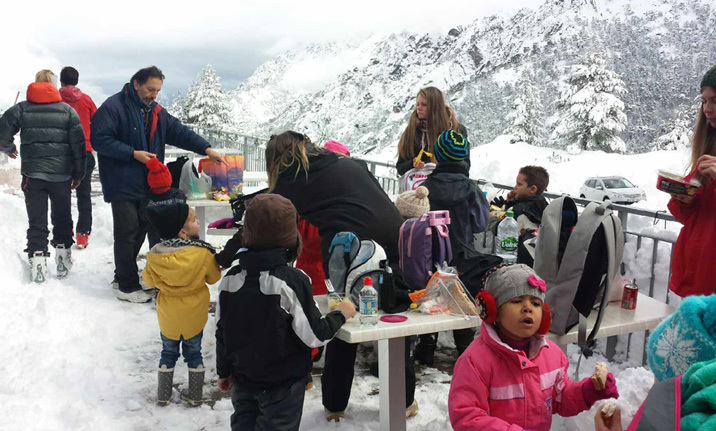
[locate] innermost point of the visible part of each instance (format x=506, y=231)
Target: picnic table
x=200, y=205
x=391, y=343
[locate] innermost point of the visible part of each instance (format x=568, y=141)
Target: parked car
x=616, y=189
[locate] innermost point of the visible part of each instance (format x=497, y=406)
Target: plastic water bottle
x=507, y=235
x=368, y=303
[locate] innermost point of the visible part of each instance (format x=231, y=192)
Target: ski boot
x=38, y=266
x=63, y=259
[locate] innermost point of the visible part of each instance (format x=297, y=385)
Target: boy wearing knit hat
x=450, y=188
x=267, y=321
x=161, y=192
x=180, y=268
x=512, y=352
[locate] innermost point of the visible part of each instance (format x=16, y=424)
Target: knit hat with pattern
x=709, y=79
x=451, y=146
x=511, y=281
x=413, y=202
x=686, y=337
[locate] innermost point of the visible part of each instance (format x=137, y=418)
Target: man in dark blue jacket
x=129, y=129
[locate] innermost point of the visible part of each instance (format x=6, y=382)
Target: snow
x=75, y=357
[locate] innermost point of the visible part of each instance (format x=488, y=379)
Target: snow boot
x=164, y=388
x=425, y=351
x=193, y=395
x=82, y=240
x=38, y=266
x=63, y=259
x=333, y=416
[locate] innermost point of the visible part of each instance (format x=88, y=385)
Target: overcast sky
x=107, y=41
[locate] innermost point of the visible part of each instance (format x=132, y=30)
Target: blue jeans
x=191, y=349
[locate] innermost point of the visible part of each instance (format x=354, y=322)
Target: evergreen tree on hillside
x=525, y=114
x=591, y=114
x=207, y=104
x=178, y=107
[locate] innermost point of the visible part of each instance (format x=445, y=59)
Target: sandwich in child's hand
x=607, y=409
x=599, y=379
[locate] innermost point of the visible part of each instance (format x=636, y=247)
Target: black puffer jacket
x=340, y=194
x=50, y=131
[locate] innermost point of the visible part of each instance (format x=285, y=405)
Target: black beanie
x=168, y=220
x=709, y=79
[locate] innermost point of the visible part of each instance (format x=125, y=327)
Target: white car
x=616, y=189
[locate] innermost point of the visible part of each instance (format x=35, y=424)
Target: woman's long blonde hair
x=702, y=141
x=285, y=150
x=441, y=118
x=45, y=75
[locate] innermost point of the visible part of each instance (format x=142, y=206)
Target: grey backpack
x=578, y=255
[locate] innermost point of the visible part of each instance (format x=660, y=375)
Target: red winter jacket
x=692, y=267
x=497, y=388
x=84, y=106
x=310, y=260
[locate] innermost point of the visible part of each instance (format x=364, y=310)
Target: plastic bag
x=445, y=293
x=226, y=179
x=415, y=177
x=193, y=184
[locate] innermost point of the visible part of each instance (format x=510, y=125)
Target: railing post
x=246, y=154
x=623, y=215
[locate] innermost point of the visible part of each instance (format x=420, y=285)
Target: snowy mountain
x=362, y=93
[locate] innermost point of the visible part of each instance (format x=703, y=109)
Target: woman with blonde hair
x=46, y=75
x=430, y=118
x=691, y=266
x=53, y=163
x=336, y=194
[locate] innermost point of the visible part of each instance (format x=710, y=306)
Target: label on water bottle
x=368, y=307
x=509, y=243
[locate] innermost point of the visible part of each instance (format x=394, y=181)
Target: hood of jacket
x=70, y=94
x=452, y=181
x=43, y=92
x=316, y=162
x=177, y=267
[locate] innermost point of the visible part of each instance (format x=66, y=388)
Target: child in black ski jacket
x=267, y=321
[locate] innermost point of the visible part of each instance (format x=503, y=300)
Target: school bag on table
x=424, y=242
x=578, y=255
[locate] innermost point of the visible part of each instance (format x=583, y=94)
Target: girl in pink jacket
x=512, y=378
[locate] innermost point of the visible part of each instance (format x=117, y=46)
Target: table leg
x=201, y=216
x=391, y=365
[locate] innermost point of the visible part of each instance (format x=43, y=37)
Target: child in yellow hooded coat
x=180, y=267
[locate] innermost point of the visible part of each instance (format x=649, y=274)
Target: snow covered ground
x=74, y=357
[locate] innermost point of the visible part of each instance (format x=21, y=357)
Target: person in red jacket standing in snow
x=85, y=107
x=692, y=272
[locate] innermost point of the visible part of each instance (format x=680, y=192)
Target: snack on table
x=465, y=304
x=608, y=408
x=676, y=184
x=333, y=303
x=599, y=379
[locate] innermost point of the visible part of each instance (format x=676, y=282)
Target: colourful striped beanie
x=451, y=146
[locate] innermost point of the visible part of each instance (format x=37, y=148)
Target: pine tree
x=207, y=104
x=178, y=107
x=591, y=113
x=525, y=113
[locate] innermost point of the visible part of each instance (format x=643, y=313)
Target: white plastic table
x=391, y=343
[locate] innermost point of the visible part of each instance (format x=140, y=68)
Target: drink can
x=629, y=296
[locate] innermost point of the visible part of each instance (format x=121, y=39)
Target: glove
x=224, y=223
x=499, y=201
x=592, y=395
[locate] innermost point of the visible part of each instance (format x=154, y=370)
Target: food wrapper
x=676, y=184
x=445, y=293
